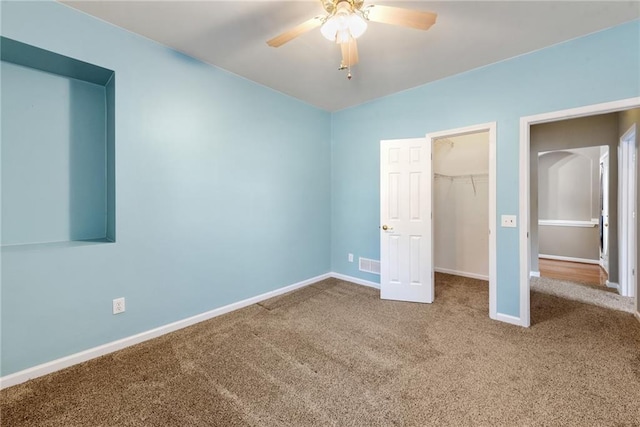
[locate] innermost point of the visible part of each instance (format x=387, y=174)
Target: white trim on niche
x=570, y=259
x=534, y=274
x=525, y=125
x=92, y=353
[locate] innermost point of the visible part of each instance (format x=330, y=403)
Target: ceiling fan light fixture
x=329, y=29
x=357, y=25
x=343, y=26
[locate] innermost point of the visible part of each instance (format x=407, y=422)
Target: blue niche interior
x=57, y=148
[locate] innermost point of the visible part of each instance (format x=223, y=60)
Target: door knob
x=606, y=224
x=385, y=227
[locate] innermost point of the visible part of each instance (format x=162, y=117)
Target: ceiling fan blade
x=296, y=31
x=349, y=53
x=397, y=16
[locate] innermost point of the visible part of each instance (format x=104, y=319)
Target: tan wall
x=574, y=242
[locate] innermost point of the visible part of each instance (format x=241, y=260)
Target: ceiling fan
x=347, y=20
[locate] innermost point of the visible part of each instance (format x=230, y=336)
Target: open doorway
x=461, y=205
x=464, y=205
x=626, y=111
x=572, y=206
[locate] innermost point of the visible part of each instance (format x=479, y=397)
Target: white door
x=604, y=212
x=406, y=245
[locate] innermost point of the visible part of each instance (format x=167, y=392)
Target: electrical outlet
x=118, y=305
x=350, y=257
x=508, y=221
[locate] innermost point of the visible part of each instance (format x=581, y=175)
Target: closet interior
x=461, y=205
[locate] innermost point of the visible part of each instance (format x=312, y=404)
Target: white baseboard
x=534, y=274
x=570, y=259
x=83, y=356
x=461, y=273
x=509, y=319
x=355, y=280
x=92, y=353
x=613, y=285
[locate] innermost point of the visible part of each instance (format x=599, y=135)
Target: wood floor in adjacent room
x=590, y=274
x=335, y=354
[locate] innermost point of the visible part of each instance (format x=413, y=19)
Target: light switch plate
x=508, y=221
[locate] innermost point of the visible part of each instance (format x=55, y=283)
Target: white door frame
x=604, y=211
x=491, y=128
x=525, y=126
x=627, y=206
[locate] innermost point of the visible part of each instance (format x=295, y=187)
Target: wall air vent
x=369, y=265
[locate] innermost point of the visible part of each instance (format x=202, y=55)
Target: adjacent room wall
x=568, y=185
x=222, y=193
x=600, y=67
x=568, y=191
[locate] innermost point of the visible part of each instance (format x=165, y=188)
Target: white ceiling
x=468, y=34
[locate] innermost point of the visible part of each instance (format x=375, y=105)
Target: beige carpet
x=591, y=294
x=334, y=354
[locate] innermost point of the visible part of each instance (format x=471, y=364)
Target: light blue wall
x=53, y=157
x=222, y=193
x=597, y=68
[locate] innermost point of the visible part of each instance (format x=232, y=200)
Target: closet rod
x=467, y=175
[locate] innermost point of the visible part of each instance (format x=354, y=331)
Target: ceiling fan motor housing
x=331, y=6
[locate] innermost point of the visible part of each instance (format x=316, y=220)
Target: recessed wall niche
x=57, y=147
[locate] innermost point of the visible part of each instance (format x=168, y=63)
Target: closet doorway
x=464, y=204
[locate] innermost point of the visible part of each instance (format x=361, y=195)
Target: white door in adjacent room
x=604, y=211
x=406, y=244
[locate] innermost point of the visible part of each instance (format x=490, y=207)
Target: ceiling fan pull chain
x=349, y=62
